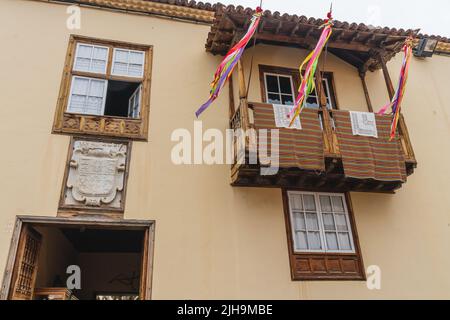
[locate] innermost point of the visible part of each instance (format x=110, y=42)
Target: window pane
x=94, y=105
x=80, y=86
x=285, y=85
x=272, y=84
x=90, y=58
x=120, y=55
x=128, y=63
x=135, y=70
x=314, y=241
x=337, y=204
x=311, y=221
x=296, y=201
x=274, y=98
x=97, y=88
x=299, y=221
x=344, y=241
x=332, y=243
x=120, y=68
x=341, y=222
x=325, y=204
x=136, y=58
x=311, y=102
x=300, y=240
x=82, y=64
x=87, y=96
x=77, y=103
x=328, y=222
x=84, y=51
x=100, y=53
x=310, y=204
x=98, y=66
x=287, y=100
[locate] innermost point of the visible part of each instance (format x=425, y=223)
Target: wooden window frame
x=103, y=125
x=320, y=222
x=294, y=73
x=65, y=210
x=277, y=75
x=148, y=226
x=324, y=266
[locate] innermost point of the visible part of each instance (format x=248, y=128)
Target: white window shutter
x=87, y=96
x=128, y=63
x=91, y=58
x=134, y=103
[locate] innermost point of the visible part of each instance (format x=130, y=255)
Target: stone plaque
x=96, y=175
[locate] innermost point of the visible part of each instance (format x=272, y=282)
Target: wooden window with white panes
x=105, y=89
x=322, y=237
x=320, y=222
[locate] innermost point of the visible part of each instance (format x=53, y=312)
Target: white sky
x=431, y=16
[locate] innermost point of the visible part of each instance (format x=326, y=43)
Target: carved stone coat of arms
x=96, y=174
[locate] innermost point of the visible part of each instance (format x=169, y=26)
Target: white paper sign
x=364, y=124
x=281, y=113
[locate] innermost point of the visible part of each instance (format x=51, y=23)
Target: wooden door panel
x=26, y=264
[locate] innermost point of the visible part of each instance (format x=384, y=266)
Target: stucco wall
x=212, y=240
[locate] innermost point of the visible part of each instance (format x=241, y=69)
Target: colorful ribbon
x=307, y=79
x=226, y=67
x=396, y=102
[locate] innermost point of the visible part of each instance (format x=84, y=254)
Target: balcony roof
x=357, y=44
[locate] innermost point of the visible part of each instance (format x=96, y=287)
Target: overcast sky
x=431, y=16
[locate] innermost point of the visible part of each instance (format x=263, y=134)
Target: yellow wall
x=212, y=240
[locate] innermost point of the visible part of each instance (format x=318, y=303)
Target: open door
x=25, y=266
x=144, y=267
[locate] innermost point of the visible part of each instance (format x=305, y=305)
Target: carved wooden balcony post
x=402, y=129
x=330, y=138
x=243, y=97
x=362, y=75
x=232, y=107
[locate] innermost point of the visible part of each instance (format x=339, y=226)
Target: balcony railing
x=333, y=177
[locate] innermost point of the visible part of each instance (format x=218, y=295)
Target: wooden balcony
x=339, y=172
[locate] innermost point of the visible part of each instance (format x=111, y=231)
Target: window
x=128, y=63
x=322, y=238
x=90, y=58
x=134, y=103
x=280, y=86
x=320, y=222
x=105, y=89
x=313, y=101
x=90, y=95
x=279, y=89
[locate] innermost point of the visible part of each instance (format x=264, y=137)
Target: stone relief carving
x=96, y=174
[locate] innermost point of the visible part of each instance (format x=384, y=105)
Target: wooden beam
x=309, y=40
x=387, y=77
x=337, y=35
x=294, y=30
x=362, y=75
x=280, y=24
x=227, y=17
x=232, y=109
x=241, y=77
